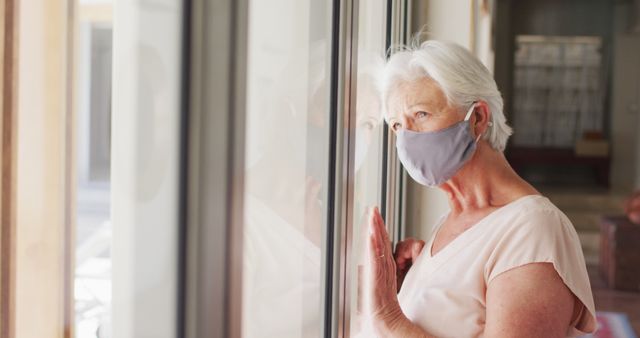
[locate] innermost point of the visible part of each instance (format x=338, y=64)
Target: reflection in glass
x=368, y=150
x=92, y=283
x=286, y=167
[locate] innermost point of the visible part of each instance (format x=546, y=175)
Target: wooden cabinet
x=619, y=254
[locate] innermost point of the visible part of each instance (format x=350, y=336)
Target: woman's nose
x=407, y=123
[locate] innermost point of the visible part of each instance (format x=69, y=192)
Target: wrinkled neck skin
x=486, y=181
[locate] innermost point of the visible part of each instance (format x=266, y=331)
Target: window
x=368, y=146
x=93, y=227
x=287, y=163
x=173, y=156
x=127, y=151
x=289, y=206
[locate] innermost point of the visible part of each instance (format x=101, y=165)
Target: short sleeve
x=546, y=236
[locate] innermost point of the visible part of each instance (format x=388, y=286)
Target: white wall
x=450, y=20
x=446, y=20
x=482, y=39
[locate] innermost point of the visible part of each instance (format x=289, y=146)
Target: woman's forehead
x=422, y=91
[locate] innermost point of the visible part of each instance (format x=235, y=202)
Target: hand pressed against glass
x=383, y=299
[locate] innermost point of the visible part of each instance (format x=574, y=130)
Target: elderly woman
x=504, y=261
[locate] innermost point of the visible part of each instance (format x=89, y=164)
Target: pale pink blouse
x=445, y=294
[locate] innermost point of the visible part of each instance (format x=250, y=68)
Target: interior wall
x=482, y=39
x=425, y=205
x=504, y=46
x=437, y=16
x=625, y=100
x=625, y=107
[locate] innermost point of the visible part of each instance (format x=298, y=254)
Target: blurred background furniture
x=619, y=253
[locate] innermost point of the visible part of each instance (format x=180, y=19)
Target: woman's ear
x=483, y=117
x=482, y=113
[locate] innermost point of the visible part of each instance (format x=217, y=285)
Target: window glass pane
x=287, y=141
x=368, y=149
x=127, y=135
x=92, y=283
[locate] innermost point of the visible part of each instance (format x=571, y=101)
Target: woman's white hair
x=460, y=75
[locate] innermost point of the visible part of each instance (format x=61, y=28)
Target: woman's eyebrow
x=412, y=107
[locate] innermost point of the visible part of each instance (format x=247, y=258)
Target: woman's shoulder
x=534, y=228
x=531, y=224
x=539, y=232
x=535, y=211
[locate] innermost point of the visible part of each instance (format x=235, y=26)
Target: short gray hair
x=460, y=75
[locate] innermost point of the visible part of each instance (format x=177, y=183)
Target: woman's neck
x=486, y=181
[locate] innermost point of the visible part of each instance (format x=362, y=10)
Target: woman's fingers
x=400, y=253
x=403, y=254
x=379, y=242
x=382, y=286
x=406, y=253
x=416, y=249
x=381, y=256
x=384, y=239
x=376, y=249
x=378, y=231
x=382, y=228
x=408, y=250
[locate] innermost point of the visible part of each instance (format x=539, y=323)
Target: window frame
x=338, y=274
x=217, y=313
x=212, y=248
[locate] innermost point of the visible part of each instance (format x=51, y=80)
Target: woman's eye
x=421, y=114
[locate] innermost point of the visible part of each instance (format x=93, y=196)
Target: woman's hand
x=407, y=251
x=384, y=309
x=383, y=298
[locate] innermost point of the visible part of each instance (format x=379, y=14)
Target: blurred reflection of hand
x=313, y=211
x=632, y=207
x=407, y=251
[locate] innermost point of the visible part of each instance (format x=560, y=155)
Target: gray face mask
x=432, y=158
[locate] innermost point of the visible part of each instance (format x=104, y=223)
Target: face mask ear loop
x=478, y=138
x=466, y=118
